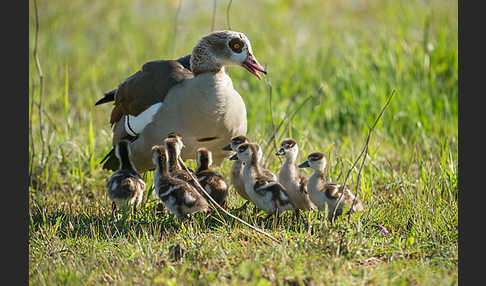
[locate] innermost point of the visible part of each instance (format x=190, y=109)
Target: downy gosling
x=324, y=193
x=264, y=191
x=236, y=175
x=125, y=185
x=212, y=181
x=290, y=177
x=178, y=196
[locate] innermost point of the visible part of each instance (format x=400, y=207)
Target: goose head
x=247, y=153
x=159, y=157
x=316, y=161
x=224, y=48
x=173, y=146
x=178, y=137
x=289, y=149
x=235, y=142
x=204, y=159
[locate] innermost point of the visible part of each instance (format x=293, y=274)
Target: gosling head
x=173, y=146
x=159, y=156
x=247, y=152
x=288, y=148
x=178, y=137
x=235, y=142
x=204, y=159
x=316, y=161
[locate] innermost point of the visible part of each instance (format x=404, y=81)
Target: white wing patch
x=222, y=184
x=172, y=188
x=142, y=183
x=208, y=189
x=188, y=199
x=114, y=185
x=135, y=124
x=202, y=178
x=268, y=185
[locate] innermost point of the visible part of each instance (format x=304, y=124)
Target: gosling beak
x=226, y=148
x=234, y=157
x=304, y=165
x=280, y=152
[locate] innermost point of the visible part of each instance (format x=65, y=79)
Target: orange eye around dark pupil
x=236, y=45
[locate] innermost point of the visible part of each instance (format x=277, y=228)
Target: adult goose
x=192, y=96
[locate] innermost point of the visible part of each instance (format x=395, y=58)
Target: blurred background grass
x=340, y=59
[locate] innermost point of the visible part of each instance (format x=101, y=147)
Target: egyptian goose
x=236, y=175
x=210, y=180
x=265, y=192
x=179, y=197
x=196, y=100
x=125, y=185
x=289, y=176
x=324, y=193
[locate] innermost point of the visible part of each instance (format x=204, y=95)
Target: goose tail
x=109, y=96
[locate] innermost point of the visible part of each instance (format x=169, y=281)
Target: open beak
x=304, y=165
x=252, y=65
x=234, y=157
x=227, y=148
x=280, y=152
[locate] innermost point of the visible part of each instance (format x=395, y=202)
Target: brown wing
x=303, y=184
x=147, y=87
x=278, y=191
x=269, y=175
x=332, y=190
x=216, y=183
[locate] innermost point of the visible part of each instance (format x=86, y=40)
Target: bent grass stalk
x=363, y=152
x=225, y=211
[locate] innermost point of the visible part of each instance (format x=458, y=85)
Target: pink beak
x=252, y=65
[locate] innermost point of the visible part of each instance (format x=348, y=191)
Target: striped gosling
x=324, y=193
x=125, y=185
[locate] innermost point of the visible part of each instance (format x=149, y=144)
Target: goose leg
x=134, y=209
x=297, y=215
x=277, y=216
x=113, y=209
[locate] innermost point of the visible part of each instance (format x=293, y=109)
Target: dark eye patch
x=174, y=134
x=288, y=143
x=236, y=45
x=238, y=140
x=242, y=148
x=315, y=156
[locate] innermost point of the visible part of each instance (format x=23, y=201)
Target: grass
x=337, y=61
